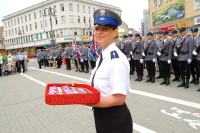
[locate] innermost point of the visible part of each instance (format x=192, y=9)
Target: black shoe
x=193, y=80
x=163, y=82
x=186, y=84
x=181, y=84
x=153, y=80
x=87, y=71
x=196, y=82
x=159, y=77
x=137, y=79
x=140, y=78
x=167, y=82
x=198, y=90
x=149, y=80
x=178, y=80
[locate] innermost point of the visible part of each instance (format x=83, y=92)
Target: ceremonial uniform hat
x=106, y=18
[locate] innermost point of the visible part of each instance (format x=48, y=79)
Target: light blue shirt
x=20, y=57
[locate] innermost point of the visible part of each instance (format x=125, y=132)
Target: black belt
x=184, y=52
x=149, y=53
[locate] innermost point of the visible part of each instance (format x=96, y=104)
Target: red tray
x=63, y=99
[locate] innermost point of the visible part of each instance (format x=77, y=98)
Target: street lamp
x=50, y=12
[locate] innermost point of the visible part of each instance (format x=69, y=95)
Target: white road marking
x=147, y=94
x=136, y=127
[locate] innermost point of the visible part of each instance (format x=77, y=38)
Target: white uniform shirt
x=113, y=75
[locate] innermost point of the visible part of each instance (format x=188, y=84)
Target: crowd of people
x=13, y=63
x=176, y=52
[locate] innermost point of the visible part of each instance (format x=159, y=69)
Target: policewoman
x=111, y=77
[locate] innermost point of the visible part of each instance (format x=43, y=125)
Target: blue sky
x=132, y=10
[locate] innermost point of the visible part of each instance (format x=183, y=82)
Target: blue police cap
x=165, y=32
x=194, y=30
x=149, y=34
x=106, y=18
x=174, y=32
x=182, y=29
x=125, y=36
x=137, y=35
x=130, y=35
x=159, y=32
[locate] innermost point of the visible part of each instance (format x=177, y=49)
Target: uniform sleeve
x=155, y=50
x=119, y=78
x=170, y=50
x=190, y=47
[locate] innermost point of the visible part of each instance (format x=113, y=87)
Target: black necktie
x=100, y=61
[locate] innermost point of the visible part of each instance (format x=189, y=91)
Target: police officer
x=159, y=42
x=193, y=65
x=21, y=59
x=59, y=56
x=85, y=57
x=92, y=56
x=68, y=53
x=165, y=55
x=127, y=50
x=174, y=35
x=184, y=50
x=111, y=113
x=138, y=49
x=150, y=53
x=39, y=58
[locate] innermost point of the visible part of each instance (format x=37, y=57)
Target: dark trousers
x=46, y=62
x=76, y=63
x=68, y=63
x=21, y=64
x=0, y=69
x=175, y=67
x=132, y=69
x=198, y=67
x=82, y=66
x=17, y=66
x=193, y=69
x=165, y=69
x=159, y=67
x=40, y=64
x=151, y=69
x=59, y=61
x=184, y=70
x=93, y=64
x=138, y=68
x=113, y=120
x=86, y=64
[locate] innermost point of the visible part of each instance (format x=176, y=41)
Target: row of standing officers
x=179, y=49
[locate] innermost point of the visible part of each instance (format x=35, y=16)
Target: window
x=41, y=24
x=26, y=28
x=40, y=13
x=22, y=30
x=21, y=19
x=12, y=32
x=79, y=19
x=88, y=9
x=9, y=32
x=90, y=22
x=47, y=34
x=25, y=18
x=78, y=8
x=18, y=20
x=83, y=8
x=15, y=31
x=70, y=7
x=84, y=20
x=71, y=18
x=14, y=21
x=34, y=15
x=8, y=24
x=19, y=31
x=41, y=36
x=30, y=26
x=45, y=23
x=55, y=10
x=56, y=20
x=5, y=24
x=29, y=17
x=62, y=19
x=11, y=22
x=35, y=25
x=62, y=8
x=94, y=9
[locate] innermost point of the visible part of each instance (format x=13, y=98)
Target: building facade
x=172, y=14
x=146, y=23
x=57, y=20
x=2, y=48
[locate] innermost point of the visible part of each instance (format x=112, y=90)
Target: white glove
x=131, y=53
x=189, y=61
x=194, y=52
x=129, y=59
x=158, y=53
x=81, y=60
x=154, y=60
x=175, y=54
x=143, y=54
x=141, y=61
x=169, y=61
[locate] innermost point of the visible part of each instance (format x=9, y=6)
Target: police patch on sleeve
x=114, y=54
